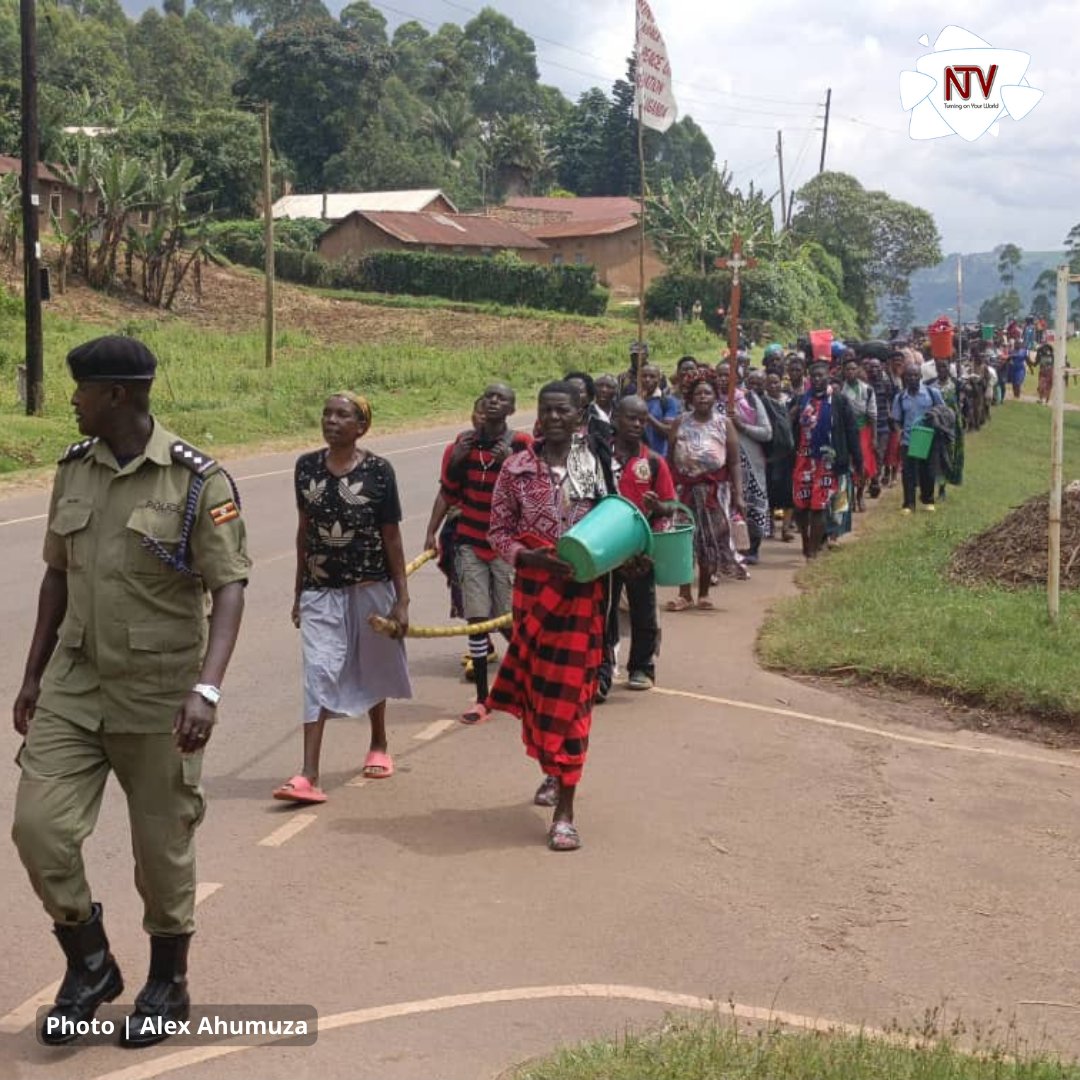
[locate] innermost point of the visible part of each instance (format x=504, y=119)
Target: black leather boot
x=92, y=978
x=164, y=998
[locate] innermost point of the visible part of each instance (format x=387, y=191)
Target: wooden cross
x=735, y=264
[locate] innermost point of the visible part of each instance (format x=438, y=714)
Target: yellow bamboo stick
x=381, y=625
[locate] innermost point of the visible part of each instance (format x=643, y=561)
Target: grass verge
x=713, y=1050
x=883, y=608
x=213, y=389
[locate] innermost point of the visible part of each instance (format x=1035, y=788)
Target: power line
x=609, y=77
x=599, y=59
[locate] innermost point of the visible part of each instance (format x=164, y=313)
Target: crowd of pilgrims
x=794, y=449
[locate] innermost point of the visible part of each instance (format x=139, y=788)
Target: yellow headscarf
x=361, y=404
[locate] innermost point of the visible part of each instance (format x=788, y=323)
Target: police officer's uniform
x=141, y=545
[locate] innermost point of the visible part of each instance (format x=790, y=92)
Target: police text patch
x=226, y=511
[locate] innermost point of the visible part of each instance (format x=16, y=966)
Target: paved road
x=747, y=838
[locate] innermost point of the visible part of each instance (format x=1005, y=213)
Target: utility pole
x=35, y=371
x=1057, y=441
x=268, y=233
x=825, y=132
x=783, y=194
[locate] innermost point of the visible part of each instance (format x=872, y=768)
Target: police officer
x=124, y=674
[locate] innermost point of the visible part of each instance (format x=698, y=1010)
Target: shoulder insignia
x=77, y=450
x=195, y=460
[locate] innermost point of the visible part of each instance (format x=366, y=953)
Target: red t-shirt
x=636, y=478
x=471, y=491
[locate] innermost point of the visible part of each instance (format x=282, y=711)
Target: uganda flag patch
x=226, y=511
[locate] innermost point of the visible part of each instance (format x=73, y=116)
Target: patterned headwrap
x=359, y=402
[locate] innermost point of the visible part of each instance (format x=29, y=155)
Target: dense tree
x=999, y=309
x=1009, y=260
x=321, y=77
x=682, y=152
x=879, y=241
x=579, y=143
x=271, y=14
x=1044, y=295
x=502, y=63
x=369, y=22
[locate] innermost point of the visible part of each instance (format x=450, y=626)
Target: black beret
x=112, y=359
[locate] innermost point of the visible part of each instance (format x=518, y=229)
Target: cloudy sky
x=747, y=68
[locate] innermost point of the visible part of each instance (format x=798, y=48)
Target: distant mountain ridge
x=933, y=291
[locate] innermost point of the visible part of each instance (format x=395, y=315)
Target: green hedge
x=462, y=277
x=671, y=291
x=502, y=280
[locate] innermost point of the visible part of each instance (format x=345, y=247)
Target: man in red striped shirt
x=468, y=479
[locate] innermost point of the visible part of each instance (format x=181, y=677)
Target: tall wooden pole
x=825, y=132
x=35, y=371
x=1057, y=446
x=641, y=238
x=783, y=194
x=268, y=233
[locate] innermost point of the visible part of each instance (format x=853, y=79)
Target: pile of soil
x=1012, y=553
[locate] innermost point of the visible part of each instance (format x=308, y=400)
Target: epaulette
x=77, y=450
x=195, y=460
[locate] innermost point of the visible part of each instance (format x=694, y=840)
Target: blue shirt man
x=663, y=408
x=916, y=400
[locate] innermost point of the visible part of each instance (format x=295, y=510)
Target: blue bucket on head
x=612, y=532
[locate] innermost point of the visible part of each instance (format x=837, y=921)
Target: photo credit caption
x=246, y=1025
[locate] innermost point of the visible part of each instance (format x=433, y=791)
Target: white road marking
x=204, y=890
x=22, y=520
x=863, y=729
x=434, y=730
x=22, y=1016
x=150, y=1069
x=297, y=823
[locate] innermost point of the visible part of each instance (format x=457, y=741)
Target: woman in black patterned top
x=350, y=565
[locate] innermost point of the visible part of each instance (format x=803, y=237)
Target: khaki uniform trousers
x=64, y=769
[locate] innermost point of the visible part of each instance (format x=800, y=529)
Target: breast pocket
x=150, y=540
x=70, y=522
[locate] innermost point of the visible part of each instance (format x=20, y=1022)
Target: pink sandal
x=380, y=761
x=476, y=714
x=299, y=789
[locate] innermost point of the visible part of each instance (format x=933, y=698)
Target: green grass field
x=883, y=608
x=213, y=388
x=715, y=1050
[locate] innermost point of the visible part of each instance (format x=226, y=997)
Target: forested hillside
x=933, y=290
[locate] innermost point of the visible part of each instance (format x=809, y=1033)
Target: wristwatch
x=210, y=694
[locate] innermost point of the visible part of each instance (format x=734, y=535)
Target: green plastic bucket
x=673, y=552
x=920, y=441
x=612, y=532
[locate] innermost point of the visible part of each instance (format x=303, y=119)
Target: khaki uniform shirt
x=134, y=635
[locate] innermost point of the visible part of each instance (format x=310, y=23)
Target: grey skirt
x=348, y=667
